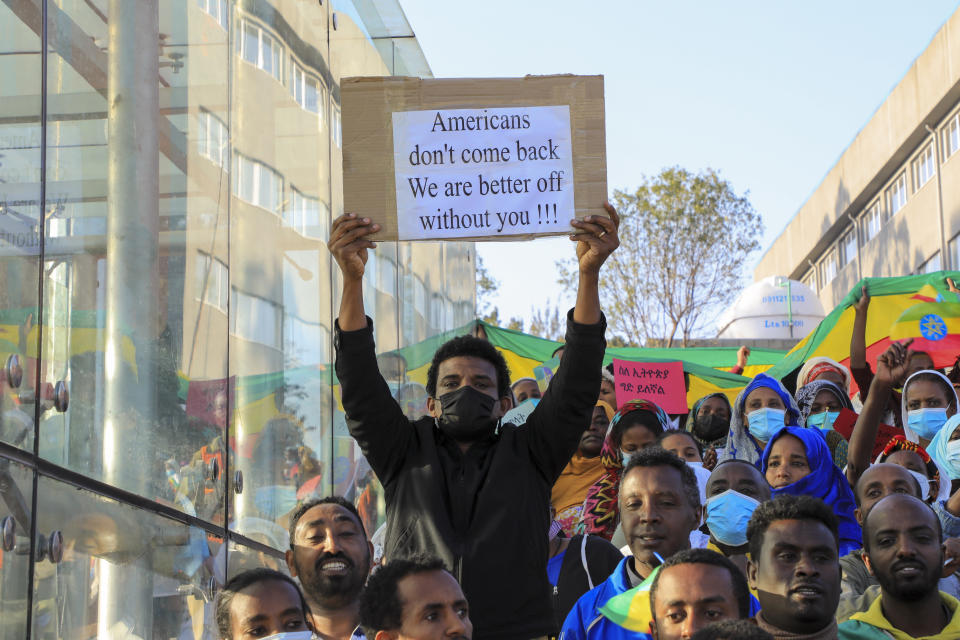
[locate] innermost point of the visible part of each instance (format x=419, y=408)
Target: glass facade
x=169, y=170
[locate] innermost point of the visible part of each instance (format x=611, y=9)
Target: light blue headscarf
x=939, y=448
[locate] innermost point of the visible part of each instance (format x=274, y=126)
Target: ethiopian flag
x=890, y=298
x=934, y=327
x=631, y=609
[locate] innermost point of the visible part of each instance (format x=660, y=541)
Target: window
x=848, y=247
x=897, y=194
x=255, y=319
x=828, y=266
x=872, y=221
x=951, y=136
x=211, y=281
x=931, y=265
x=212, y=138
x=261, y=49
x=953, y=251
x=258, y=184
x=335, y=131
x=309, y=216
x=216, y=8
x=306, y=89
x=810, y=279
x=923, y=167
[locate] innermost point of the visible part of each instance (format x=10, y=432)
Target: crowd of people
x=598, y=519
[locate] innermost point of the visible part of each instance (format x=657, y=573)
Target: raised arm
x=858, y=340
x=555, y=426
x=374, y=419
x=596, y=240
x=890, y=365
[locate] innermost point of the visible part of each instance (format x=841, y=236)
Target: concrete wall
x=926, y=95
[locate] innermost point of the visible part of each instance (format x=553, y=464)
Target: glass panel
x=243, y=557
x=16, y=498
x=137, y=327
x=20, y=219
x=280, y=277
x=125, y=573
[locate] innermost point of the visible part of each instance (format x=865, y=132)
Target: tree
x=487, y=287
x=548, y=323
x=684, y=240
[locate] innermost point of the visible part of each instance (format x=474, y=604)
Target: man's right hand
x=349, y=243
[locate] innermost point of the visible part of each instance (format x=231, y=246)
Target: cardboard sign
x=492, y=172
x=477, y=158
x=659, y=382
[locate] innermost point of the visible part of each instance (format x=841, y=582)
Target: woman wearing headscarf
x=709, y=421
x=797, y=462
x=584, y=469
x=928, y=400
x=635, y=426
x=820, y=403
x=761, y=409
x=823, y=368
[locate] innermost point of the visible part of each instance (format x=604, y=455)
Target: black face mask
x=711, y=427
x=467, y=414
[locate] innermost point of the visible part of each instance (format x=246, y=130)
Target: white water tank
x=775, y=308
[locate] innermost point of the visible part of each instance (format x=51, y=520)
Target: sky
x=767, y=93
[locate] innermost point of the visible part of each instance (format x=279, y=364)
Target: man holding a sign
x=457, y=486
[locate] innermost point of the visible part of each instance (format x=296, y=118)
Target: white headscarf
x=910, y=433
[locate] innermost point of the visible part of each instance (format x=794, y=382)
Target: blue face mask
x=926, y=422
x=823, y=420
x=763, y=423
x=727, y=516
x=292, y=635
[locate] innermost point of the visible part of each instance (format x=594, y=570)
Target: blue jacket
x=585, y=622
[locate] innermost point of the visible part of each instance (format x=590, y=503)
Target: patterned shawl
x=601, y=514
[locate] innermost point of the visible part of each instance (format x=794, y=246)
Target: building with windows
x=169, y=170
x=890, y=206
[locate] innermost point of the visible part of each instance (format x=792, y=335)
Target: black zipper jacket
x=485, y=513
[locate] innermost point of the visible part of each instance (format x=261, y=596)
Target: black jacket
x=485, y=513
x=598, y=556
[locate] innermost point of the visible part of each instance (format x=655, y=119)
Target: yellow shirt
x=571, y=487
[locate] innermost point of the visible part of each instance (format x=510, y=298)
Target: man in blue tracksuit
x=659, y=506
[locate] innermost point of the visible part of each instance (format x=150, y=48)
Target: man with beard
x=794, y=567
x=902, y=548
x=456, y=485
x=415, y=599
x=331, y=556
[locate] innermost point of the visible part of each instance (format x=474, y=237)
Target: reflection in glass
x=16, y=486
x=20, y=205
x=124, y=572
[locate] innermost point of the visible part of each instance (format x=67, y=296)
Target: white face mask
x=292, y=635
x=696, y=463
